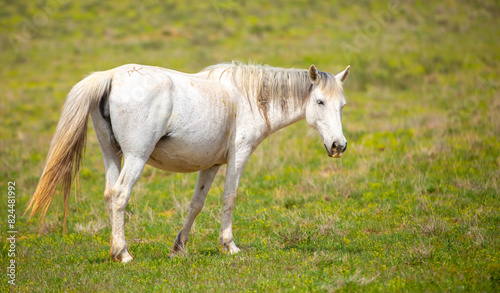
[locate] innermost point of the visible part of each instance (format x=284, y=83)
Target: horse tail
x=67, y=145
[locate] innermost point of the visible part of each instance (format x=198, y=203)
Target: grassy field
x=413, y=205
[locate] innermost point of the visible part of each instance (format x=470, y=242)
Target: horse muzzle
x=336, y=150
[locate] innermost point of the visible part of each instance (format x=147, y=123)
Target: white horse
x=185, y=123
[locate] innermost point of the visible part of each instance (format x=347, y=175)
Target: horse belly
x=177, y=154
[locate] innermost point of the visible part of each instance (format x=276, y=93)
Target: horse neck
x=279, y=117
x=275, y=115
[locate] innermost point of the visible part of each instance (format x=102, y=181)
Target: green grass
x=413, y=205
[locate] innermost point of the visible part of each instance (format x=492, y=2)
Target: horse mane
x=264, y=85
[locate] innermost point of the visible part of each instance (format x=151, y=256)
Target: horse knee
x=196, y=206
x=108, y=194
x=120, y=199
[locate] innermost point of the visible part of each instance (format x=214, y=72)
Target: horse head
x=324, y=109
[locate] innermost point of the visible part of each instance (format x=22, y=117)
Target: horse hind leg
x=111, y=157
x=203, y=183
x=112, y=163
x=129, y=175
x=119, y=181
x=137, y=127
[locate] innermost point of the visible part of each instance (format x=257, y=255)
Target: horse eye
x=320, y=102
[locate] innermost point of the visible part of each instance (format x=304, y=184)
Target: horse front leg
x=203, y=183
x=235, y=167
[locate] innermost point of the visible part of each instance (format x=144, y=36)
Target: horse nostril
x=336, y=147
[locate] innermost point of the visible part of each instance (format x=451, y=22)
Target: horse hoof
x=122, y=257
x=230, y=248
x=127, y=258
x=233, y=249
x=177, y=252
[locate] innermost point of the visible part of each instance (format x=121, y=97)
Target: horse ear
x=314, y=75
x=344, y=74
